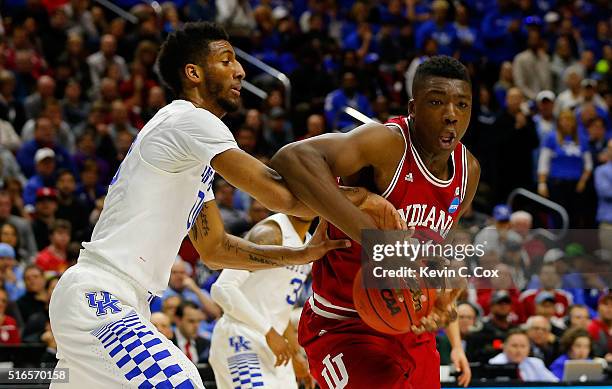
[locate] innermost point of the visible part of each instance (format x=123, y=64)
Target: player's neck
x=194, y=96
x=436, y=163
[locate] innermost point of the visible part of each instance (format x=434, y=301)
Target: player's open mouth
x=236, y=90
x=446, y=141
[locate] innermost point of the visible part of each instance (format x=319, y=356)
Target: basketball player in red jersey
x=419, y=164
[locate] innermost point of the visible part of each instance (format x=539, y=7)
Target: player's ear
x=411, y=108
x=193, y=73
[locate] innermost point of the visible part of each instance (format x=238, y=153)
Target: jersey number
x=293, y=296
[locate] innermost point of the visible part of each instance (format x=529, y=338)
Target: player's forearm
x=454, y=335
x=237, y=253
x=309, y=178
x=235, y=304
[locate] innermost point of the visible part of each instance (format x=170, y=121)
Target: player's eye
x=226, y=62
x=435, y=102
x=463, y=104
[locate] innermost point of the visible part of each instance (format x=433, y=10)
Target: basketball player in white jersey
x=247, y=345
x=99, y=310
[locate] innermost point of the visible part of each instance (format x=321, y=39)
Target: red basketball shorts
x=347, y=354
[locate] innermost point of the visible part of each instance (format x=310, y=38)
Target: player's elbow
x=289, y=158
x=209, y=255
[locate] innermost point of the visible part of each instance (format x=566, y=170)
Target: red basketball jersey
x=427, y=203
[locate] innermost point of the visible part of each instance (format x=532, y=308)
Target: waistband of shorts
x=89, y=259
x=323, y=307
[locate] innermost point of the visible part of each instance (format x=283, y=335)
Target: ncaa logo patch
x=454, y=205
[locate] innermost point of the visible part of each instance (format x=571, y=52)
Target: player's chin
x=230, y=104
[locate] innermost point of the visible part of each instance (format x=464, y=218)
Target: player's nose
x=450, y=114
x=240, y=73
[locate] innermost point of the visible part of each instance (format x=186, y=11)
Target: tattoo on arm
x=201, y=223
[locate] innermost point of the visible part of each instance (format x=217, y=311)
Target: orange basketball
x=392, y=311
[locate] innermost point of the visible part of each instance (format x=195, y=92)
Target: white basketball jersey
x=273, y=292
x=153, y=202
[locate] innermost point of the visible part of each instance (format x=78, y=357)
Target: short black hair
x=190, y=44
x=180, y=310
x=440, y=66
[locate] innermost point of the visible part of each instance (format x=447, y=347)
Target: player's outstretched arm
x=267, y=186
x=220, y=250
x=310, y=168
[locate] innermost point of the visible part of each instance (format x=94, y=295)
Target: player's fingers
x=337, y=244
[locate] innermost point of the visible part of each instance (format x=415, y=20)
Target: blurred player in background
x=254, y=340
x=416, y=162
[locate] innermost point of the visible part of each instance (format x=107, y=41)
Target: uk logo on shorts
x=103, y=302
x=239, y=343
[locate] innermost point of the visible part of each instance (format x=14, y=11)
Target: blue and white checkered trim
x=245, y=371
x=141, y=355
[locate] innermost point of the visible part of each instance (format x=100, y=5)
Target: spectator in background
x=27, y=243
x=9, y=139
x=36, y=324
x=578, y=316
x=562, y=59
x=549, y=284
x=44, y=136
x=501, y=31
x=603, y=186
x=531, y=68
x=35, y=297
x=600, y=328
x=504, y=83
x=496, y=235
x=44, y=215
x=570, y=97
x=169, y=306
x=278, y=132
x=484, y=344
x=598, y=141
x=162, y=322
x=44, y=177
x=468, y=35
x=430, y=48
x=544, y=344
x=71, y=207
x=544, y=120
x=90, y=188
x=100, y=61
x=257, y=212
x=235, y=221
x=87, y=151
x=11, y=109
x=517, y=139
x=156, y=100
x=75, y=107
x=53, y=110
x=9, y=168
x=9, y=332
x=11, y=272
x=186, y=338
x=315, y=125
x=590, y=95
x=440, y=29
x=575, y=345
x=53, y=258
x=181, y=284
x=347, y=96
x=565, y=166
x=516, y=350
x=34, y=103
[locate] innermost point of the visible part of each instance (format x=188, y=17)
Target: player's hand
x=443, y=313
x=383, y=213
x=302, y=372
x=580, y=186
x=462, y=365
x=279, y=346
x=321, y=244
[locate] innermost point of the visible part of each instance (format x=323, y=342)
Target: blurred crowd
x=77, y=83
